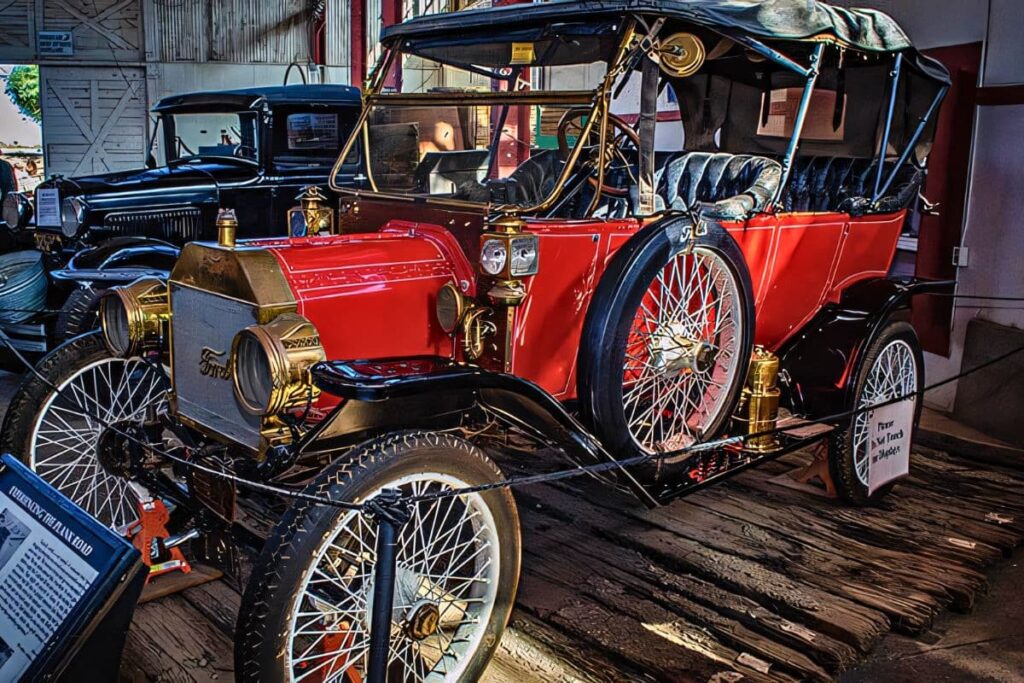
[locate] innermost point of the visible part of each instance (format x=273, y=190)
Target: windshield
x=459, y=132
x=211, y=134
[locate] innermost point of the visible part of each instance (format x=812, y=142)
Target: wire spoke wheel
x=892, y=374
x=65, y=439
x=682, y=355
x=447, y=577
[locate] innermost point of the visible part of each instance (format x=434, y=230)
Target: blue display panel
x=61, y=573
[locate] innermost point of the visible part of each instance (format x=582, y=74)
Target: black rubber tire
x=840, y=446
x=609, y=318
x=262, y=630
x=23, y=411
x=56, y=367
x=79, y=314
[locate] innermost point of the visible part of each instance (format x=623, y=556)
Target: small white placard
x=48, y=207
x=889, y=429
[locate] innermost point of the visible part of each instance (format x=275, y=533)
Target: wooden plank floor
x=751, y=578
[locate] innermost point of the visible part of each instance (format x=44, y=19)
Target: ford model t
x=680, y=233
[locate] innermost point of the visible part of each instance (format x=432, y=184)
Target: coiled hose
x=22, y=285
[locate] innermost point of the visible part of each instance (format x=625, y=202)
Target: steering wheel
x=247, y=152
x=621, y=144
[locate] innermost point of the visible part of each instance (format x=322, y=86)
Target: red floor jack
x=149, y=534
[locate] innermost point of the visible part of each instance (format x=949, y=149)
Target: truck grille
x=203, y=325
x=184, y=224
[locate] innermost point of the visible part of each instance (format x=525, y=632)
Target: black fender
x=118, y=261
x=435, y=392
x=819, y=365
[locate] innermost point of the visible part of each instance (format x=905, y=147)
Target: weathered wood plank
x=837, y=616
x=170, y=641
x=601, y=571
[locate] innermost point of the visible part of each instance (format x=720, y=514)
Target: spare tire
x=667, y=340
x=22, y=286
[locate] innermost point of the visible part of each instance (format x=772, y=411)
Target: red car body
x=387, y=280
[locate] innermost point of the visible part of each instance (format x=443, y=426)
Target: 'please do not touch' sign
x=889, y=431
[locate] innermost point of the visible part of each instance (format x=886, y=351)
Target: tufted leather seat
x=838, y=184
x=728, y=186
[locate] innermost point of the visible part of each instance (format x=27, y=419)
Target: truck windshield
x=212, y=134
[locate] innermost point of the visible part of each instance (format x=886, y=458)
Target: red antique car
x=681, y=232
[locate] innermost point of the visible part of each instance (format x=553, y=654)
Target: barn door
x=95, y=119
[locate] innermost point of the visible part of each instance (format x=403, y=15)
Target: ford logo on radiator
x=211, y=365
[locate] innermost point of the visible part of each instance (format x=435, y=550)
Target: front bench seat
x=728, y=187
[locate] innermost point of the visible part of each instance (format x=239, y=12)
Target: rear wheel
x=667, y=340
x=305, y=612
x=54, y=431
x=892, y=367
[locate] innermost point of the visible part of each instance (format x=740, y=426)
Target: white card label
x=48, y=207
x=889, y=429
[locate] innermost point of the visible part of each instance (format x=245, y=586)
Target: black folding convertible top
x=791, y=20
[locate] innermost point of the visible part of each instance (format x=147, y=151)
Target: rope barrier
x=581, y=470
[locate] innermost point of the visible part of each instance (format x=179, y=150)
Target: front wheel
x=892, y=367
x=51, y=423
x=305, y=612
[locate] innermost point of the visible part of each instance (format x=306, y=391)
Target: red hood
x=372, y=295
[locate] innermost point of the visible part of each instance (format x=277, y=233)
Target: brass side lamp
x=312, y=216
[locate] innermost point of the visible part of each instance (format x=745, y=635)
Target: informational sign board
x=889, y=431
x=48, y=207
x=63, y=574
x=55, y=44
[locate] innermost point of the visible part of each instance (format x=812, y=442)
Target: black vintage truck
x=250, y=149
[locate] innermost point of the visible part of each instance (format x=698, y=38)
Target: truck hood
x=204, y=172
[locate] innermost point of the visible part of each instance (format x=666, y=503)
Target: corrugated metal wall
x=233, y=31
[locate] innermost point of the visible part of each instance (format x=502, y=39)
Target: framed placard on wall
x=68, y=584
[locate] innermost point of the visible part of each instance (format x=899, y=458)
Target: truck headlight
x=17, y=210
x=271, y=362
x=72, y=215
x=134, y=318
x=509, y=256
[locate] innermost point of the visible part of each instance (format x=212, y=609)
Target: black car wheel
x=79, y=314
x=667, y=340
x=892, y=367
x=54, y=433
x=305, y=612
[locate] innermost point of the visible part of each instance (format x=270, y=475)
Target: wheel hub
x=113, y=450
x=675, y=352
x=422, y=620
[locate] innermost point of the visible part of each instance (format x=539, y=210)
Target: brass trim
x=292, y=346
x=452, y=291
x=147, y=311
x=227, y=227
x=246, y=274
x=474, y=98
x=761, y=398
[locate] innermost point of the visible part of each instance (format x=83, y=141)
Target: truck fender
x=119, y=261
x=819, y=366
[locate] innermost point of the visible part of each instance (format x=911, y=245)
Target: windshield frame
x=170, y=137
x=597, y=99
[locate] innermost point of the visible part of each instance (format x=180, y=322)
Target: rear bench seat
x=734, y=186
x=846, y=185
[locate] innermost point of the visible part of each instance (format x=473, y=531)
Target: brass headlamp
x=507, y=254
x=270, y=364
x=135, y=317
